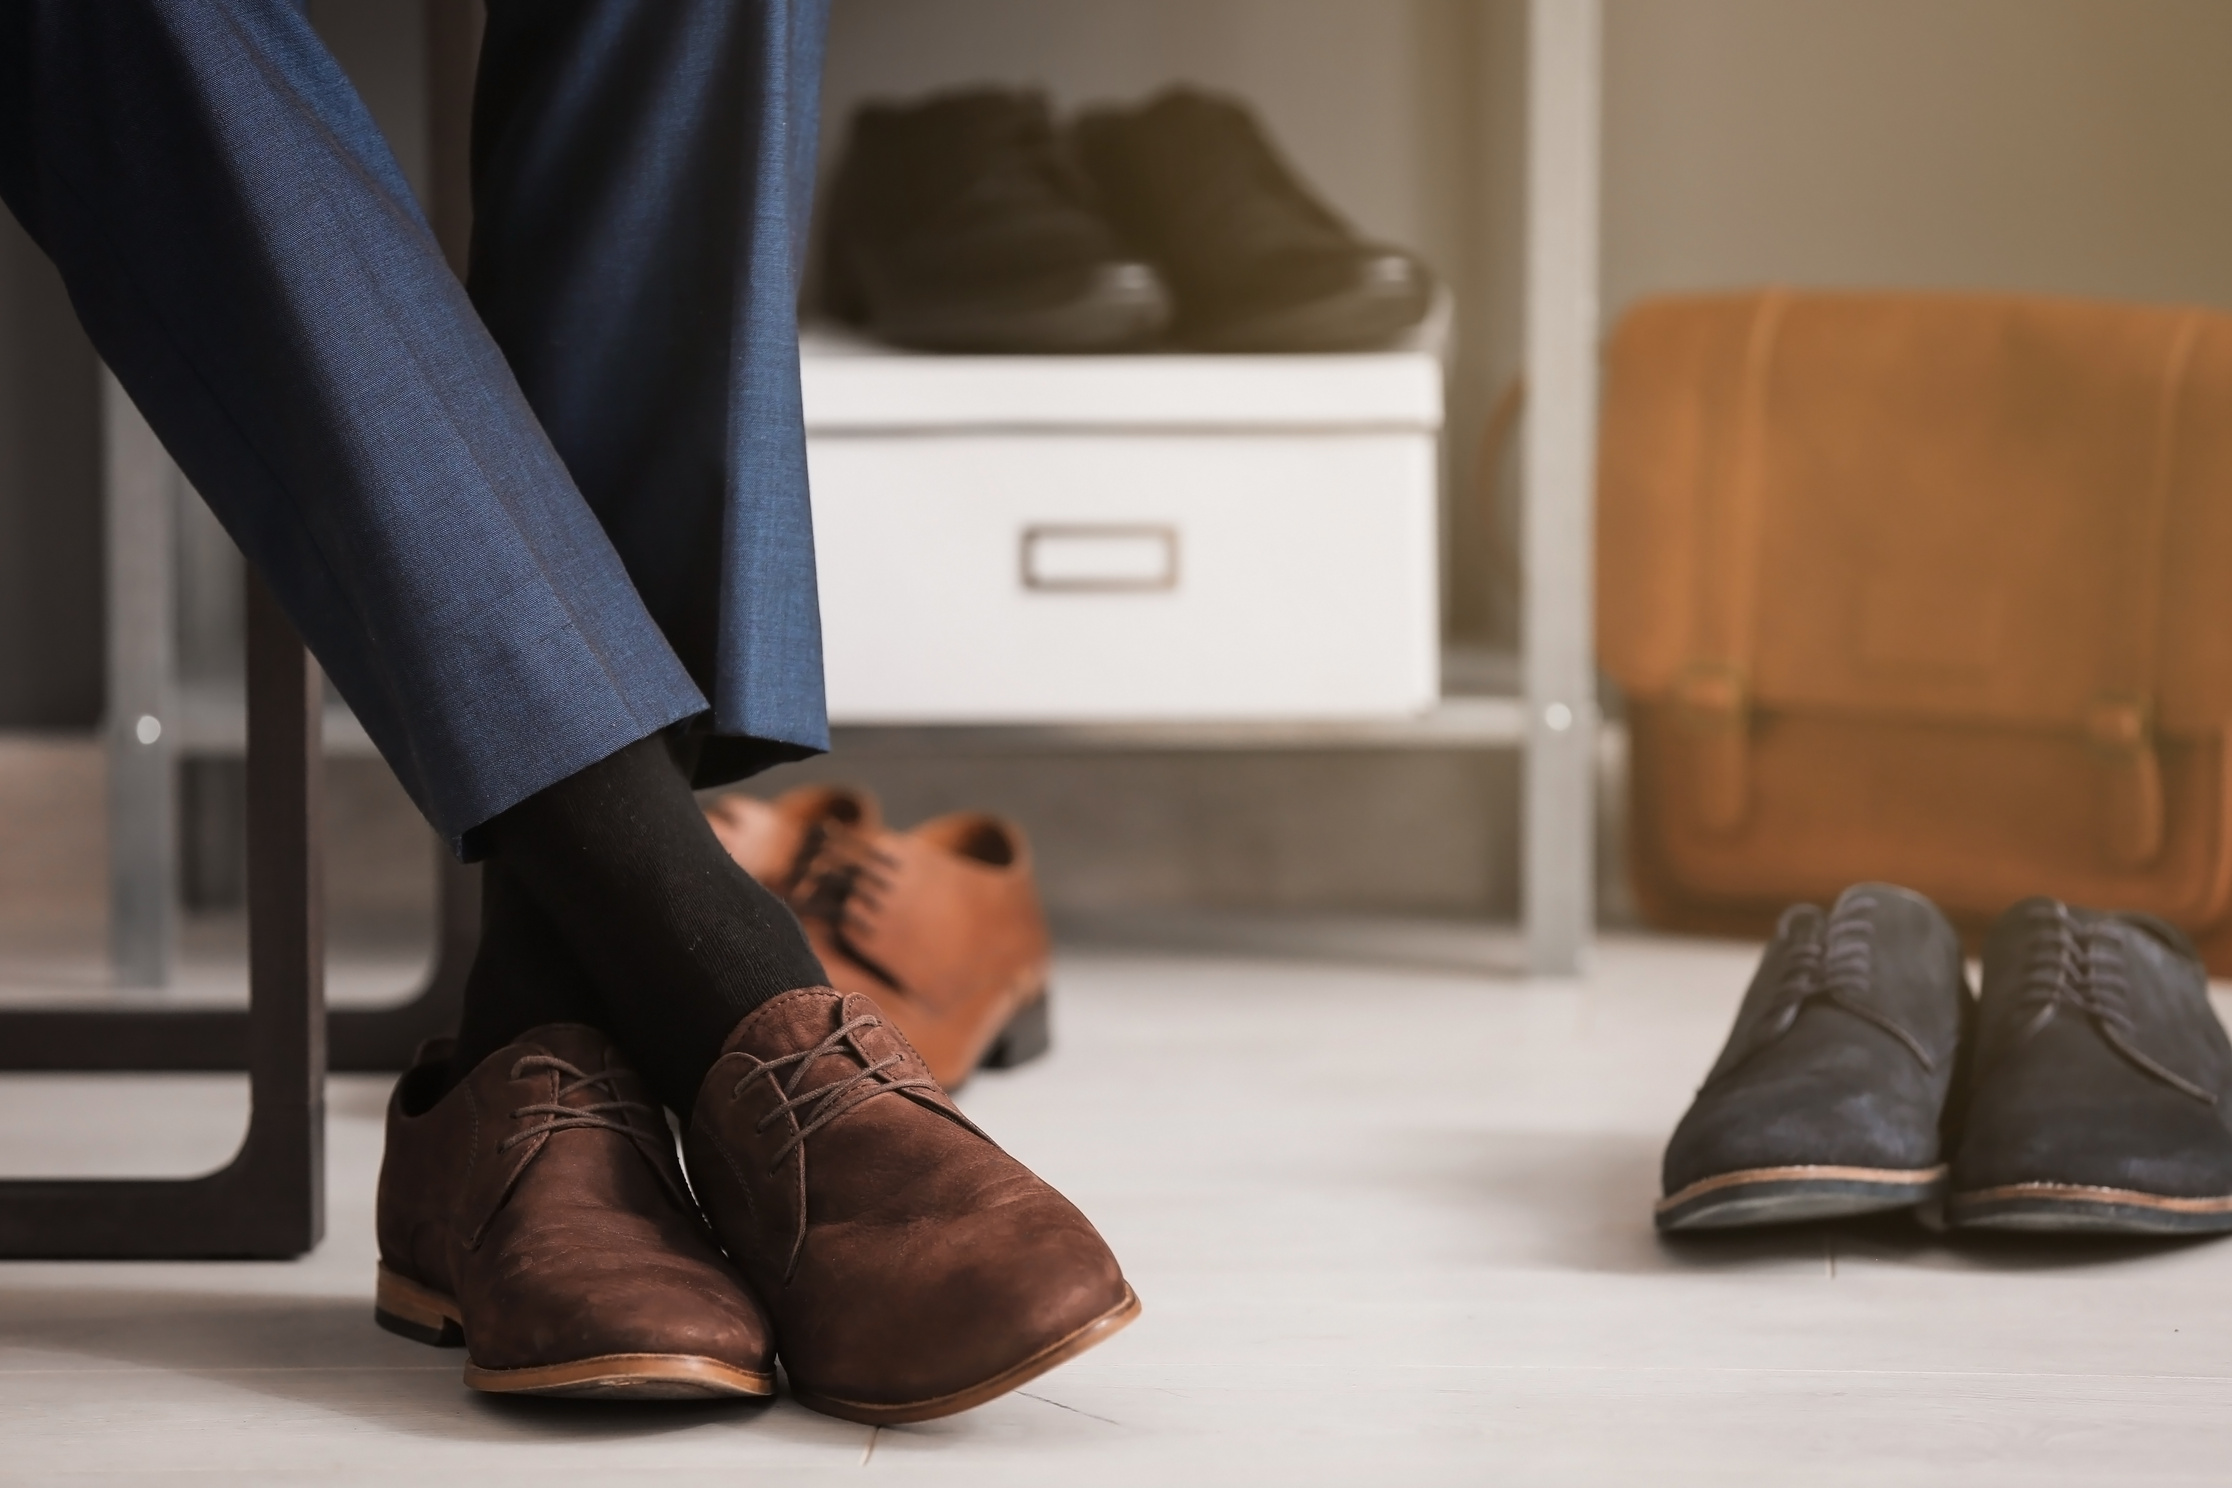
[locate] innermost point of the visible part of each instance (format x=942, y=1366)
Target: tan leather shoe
x=942, y=927
x=536, y=1214
x=774, y=841
x=912, y=1267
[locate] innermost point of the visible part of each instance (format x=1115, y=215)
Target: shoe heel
x=1028, y=1034
x=415, y=1312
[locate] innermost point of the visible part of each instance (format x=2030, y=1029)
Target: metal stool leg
x=269, y=1201
x=141, y=484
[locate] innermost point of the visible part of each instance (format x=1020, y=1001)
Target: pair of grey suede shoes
x=2087, y=1089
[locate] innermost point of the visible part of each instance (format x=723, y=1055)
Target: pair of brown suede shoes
x=846, y=1217
x=940, y=926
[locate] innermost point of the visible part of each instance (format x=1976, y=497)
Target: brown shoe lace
x=590, y=1117
x=2081, y=968
x=833, y=1100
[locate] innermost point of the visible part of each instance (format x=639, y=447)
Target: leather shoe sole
x=1099, y=1330
x=1790, y=1195
x=2080, y=1209
x=419, y=1313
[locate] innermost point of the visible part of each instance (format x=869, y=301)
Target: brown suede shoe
x=536, y=1214
x=774, y=841
x=913, y=1268
x=942, y=927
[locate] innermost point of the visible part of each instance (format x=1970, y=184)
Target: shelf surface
x=1453, y=723
x=1480, y=709
x=854, y=386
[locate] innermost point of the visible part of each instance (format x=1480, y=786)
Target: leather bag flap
x=1993, y=511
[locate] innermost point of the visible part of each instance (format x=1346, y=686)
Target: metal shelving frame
x=1552, y=721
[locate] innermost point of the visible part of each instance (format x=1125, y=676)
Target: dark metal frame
x=269, y=1200
x=358, y=1040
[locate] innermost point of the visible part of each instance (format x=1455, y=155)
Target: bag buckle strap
x=1713, y=701
x=2120, y=729
x=2118, y=725
x=1712, y=696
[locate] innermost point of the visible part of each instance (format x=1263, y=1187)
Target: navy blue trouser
x=522, y=526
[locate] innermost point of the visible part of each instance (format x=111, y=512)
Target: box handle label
x=1138, y=558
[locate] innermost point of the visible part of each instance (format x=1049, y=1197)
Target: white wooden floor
x=1391, y=1225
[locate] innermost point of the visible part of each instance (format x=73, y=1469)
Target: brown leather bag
x=1930, y=589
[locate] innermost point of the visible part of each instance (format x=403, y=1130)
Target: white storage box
x=1107, y=539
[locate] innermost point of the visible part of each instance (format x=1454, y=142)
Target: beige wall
x=2067, y=146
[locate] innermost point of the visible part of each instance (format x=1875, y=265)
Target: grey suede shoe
x=1829, y=1097
x=2103, y=1077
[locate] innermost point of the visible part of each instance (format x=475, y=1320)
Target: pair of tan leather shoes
x=846, y=1218
x=940, y=926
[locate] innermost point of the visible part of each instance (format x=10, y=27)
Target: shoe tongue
x=579, y=1045
x=572, y=1042
x=586, y=1151
x=794, y=1022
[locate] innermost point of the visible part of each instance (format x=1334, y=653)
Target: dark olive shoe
x=1829, y=1097
x=957, y=224
x=1255, y=260
x=2102, y=1081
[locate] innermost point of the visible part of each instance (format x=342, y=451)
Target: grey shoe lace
x=2082, y=968
x=826, y=1104
x=560, y=1117
x=1832, y=964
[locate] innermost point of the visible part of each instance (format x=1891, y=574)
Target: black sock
x=679, y=941
x=524, y=975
